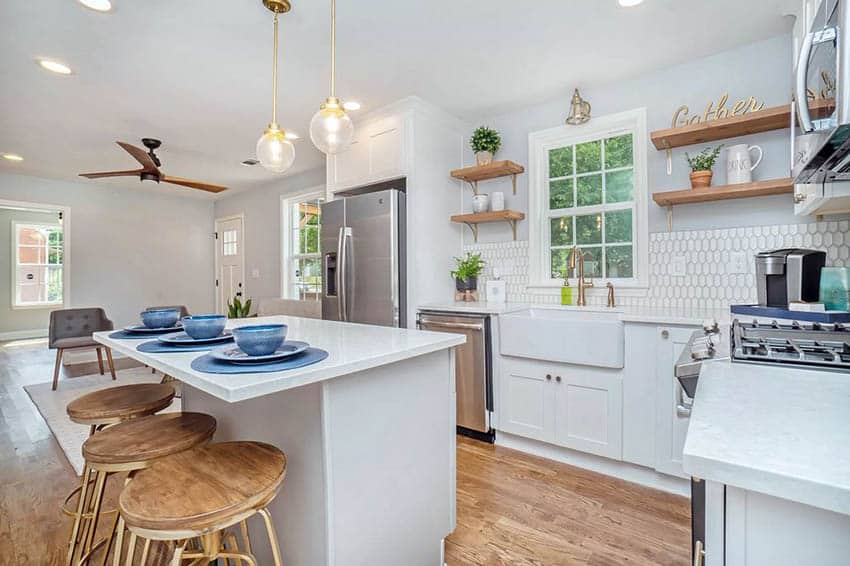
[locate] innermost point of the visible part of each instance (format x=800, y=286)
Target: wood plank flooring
x=513, y=509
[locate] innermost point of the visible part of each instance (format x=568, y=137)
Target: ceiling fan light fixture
x=331, y=129
x=12, y=157
x=97, y=5
x=54, y=66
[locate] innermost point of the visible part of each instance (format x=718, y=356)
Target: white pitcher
x=739, y=166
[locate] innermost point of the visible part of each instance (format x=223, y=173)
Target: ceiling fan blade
x=141, y=156
x=192, y=184
x=133, y=173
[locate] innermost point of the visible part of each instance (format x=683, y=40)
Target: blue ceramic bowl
x=160, y=318
x=260, y=340
x=202, y=326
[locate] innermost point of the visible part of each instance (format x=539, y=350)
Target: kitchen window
x=302, y=257
x=39, y=251
x=587, y=188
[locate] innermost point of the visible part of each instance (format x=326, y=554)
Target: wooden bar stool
x=128, y=447
x=104, y=408
x=198, y=494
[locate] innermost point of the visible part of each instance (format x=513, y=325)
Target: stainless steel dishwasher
x=473, y=369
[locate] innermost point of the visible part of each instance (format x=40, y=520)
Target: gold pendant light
x=274, y=150
x=579, y=110
x=331, y=129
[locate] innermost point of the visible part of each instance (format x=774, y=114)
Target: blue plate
x=183, y=339
x=142, y=329
x=234, y=355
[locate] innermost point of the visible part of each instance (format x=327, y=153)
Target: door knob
x=548, y=377
x=558, y=379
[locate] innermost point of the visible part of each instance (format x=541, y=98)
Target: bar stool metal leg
x=267, y=518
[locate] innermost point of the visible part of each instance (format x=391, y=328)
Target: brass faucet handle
x=610, y=294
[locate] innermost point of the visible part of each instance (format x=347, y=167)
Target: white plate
x=183, y=339
x=234, y=355
x=142, y=329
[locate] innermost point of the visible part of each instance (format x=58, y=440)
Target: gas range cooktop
x=807, y=345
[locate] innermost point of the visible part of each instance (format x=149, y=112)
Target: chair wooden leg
x=111, y=363
x=267, y=517
x=100, y=360
x=56, y=369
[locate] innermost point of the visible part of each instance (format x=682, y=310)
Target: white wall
x=129, y=248
x=761, y=69
x=17, y=320
x=261, y=207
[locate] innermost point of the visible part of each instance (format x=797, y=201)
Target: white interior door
x=230, y=261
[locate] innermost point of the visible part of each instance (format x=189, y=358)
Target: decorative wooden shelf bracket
x=473, y=220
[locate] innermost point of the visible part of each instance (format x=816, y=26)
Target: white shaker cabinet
x=378, y=152
x=576, y=407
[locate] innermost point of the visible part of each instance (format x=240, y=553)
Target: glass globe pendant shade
x=274, y=151
x=331, y=129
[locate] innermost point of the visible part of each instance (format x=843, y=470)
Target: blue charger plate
x=209, y=364
x=233, y=355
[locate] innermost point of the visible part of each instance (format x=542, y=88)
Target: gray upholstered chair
x=72, y=329
x=182, y=308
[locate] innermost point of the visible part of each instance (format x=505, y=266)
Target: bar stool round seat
x=136, y=443
x=116, y=404
x=202, y=492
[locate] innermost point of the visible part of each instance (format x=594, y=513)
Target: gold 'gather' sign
x=682, y=116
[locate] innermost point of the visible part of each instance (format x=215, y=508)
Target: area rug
x=51, y=404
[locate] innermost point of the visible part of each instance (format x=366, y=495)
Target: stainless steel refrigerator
x=363, y=259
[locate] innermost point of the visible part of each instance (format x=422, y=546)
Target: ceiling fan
x=150, y=168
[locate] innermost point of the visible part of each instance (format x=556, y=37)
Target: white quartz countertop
x=352, y=348
x=650, y=315
x=779, y=431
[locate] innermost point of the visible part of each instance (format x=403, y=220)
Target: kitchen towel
x=208, y=364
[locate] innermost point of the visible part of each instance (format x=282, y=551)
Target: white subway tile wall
x=711, y=278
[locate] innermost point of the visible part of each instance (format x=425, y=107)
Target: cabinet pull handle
x=699, y=553
x=548, y=377
x=558, y=379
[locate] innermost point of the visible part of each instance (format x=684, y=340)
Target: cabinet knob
x=665, y=334
x=548, y=377
x=558, y=379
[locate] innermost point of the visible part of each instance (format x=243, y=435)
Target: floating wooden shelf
x=776, y=118
x=494, y=170
x=473, y=220
x=721, y=192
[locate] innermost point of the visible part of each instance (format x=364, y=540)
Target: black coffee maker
x=788, y=275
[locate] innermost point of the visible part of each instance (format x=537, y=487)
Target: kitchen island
x=368, y=434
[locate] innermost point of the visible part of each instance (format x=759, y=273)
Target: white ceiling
x=197, y=73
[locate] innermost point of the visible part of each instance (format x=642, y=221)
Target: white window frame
x=539, y=144
x=286, y=227
x=16, y=305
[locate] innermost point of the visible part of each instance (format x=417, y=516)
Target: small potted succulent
x=701, y=165
x=485, y=143
x=467, y=271
x=238, y=309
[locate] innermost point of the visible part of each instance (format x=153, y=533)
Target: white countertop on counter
x=779, y=431
x=650, y=315
x=352, y=348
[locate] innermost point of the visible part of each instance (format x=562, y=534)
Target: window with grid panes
x=39, y=264
x=304, y=259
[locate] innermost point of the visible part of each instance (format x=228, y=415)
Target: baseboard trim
x=623, y=470
x=22, y=334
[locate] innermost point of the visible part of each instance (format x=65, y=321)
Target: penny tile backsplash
x=709, y=281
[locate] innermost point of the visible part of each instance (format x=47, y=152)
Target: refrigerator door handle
x=342, y=272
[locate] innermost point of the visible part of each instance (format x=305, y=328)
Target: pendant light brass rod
x=333, y=46
x=274, y=75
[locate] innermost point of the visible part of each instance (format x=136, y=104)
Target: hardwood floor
x=513, y=509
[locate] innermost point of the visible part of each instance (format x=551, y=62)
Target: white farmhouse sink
x=572, y=336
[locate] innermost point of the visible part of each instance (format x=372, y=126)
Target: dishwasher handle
x=451, y=325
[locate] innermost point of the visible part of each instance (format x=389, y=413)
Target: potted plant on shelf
x=485, y=143
x=467, y=271
x=701, y=165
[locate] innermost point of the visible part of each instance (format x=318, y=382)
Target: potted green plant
x=485, y=142
x=701, y=165
x=238, y=309
x=467, y=271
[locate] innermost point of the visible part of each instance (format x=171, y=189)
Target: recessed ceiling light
x=351, y=105
x=630, y=3
x=97, y=5
x=54, y=66
x=250, y=162
x=292, y=136
x=12, y=156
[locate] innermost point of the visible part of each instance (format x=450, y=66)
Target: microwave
x=820, y=128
